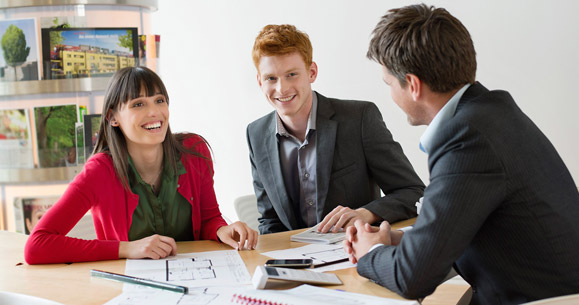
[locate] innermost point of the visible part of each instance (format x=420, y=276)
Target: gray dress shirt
x=298, y=164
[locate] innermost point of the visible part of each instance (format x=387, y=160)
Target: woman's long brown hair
x=125, y=85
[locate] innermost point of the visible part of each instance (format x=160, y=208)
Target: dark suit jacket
x=501, y=206
x=356, y=157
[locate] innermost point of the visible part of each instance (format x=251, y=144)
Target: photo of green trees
x=18, y=50
x=55, y=134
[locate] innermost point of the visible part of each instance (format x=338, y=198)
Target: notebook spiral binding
x=245, y=300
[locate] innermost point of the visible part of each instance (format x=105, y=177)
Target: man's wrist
x=375, y=246
x=368, y=216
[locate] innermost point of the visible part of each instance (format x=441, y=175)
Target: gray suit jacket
x=356, y=157
x=501, y=207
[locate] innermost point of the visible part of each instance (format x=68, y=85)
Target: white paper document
x=201, y=269
x=319, y=253
x=212, y=278
x=196, y=296
x=302, y=295
x=312, y=235
x=311, y=295
x=148, y=296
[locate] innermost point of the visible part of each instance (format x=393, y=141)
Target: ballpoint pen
x=331, y=263
x=138, y=281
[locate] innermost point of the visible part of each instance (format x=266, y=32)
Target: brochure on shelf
x=88, y=52
x=79, y=142
x=29, y=210
x=19, y=54
x=149, y=48
x=15, y=140
x=91, y=129
x=55, y=135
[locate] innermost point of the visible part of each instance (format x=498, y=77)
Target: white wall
x=528, y=48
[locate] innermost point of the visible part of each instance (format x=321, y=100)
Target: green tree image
x=55, y=133
x=126, y=41
x=14, y=47
x=56, y=36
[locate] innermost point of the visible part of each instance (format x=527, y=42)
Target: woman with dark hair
x=145, y=186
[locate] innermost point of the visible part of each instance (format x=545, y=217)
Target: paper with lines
x=200, y=269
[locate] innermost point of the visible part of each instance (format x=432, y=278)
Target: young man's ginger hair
x=282, y=39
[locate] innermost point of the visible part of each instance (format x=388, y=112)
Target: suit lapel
x=280, y=200
x=326, y=138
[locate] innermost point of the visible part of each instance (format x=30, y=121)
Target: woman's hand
x=155, y=247
x=238, y=235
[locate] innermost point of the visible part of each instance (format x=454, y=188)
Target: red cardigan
x=97, y=188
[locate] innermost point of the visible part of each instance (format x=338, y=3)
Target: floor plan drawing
x=198, y=269
x=190, y=269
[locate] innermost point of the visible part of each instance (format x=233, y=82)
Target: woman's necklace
x=152, y=183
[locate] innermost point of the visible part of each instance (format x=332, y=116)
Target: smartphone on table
x=290, y=263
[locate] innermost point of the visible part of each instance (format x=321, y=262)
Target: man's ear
x=313, y=72
x=259, y=79
x=414, y=85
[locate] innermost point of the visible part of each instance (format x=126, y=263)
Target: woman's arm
x=48, y=242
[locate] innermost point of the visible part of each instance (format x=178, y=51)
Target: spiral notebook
x=310, y=295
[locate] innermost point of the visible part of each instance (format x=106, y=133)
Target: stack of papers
x=311, y=295
x=312, y=236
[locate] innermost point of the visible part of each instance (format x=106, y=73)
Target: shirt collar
x=135, y=178
x=445, y=114
x=282, y=131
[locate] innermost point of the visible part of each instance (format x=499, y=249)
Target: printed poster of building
x=88, y=52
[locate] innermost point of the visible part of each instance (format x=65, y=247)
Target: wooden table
x=72, y=283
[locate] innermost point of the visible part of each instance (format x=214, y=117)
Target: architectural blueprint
x=200, y=269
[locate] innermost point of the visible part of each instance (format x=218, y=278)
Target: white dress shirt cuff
x=374, y=247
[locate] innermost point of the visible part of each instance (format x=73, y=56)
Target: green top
x=168, y=213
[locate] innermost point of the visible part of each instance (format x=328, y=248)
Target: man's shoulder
x=349, y=106
x=261, y=123
x=473, y=113
x=342, y=102
x=479, y=101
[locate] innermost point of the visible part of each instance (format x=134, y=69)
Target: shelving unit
x=85, y=91
x=148, y=4
x=53, y=86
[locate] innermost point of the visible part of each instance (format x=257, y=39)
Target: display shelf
x=38, y=175
x=88, y=92
x=53, y=86
x=148, y=4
